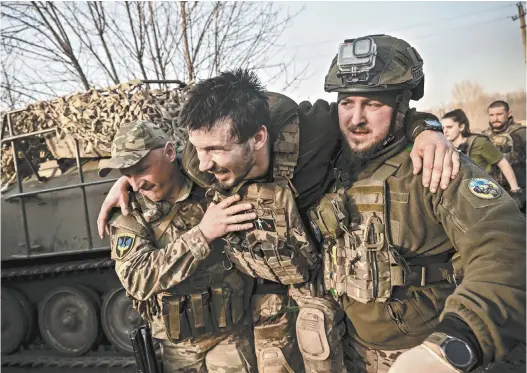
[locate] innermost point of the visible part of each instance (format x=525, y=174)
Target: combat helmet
x=377, y=63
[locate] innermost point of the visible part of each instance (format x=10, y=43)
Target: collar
x=165, y=206
x=390, y=151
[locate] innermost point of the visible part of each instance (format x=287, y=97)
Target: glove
x=518, y=197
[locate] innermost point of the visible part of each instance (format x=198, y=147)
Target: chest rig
x=275, y=249
x=359, y=257
x=505, y=144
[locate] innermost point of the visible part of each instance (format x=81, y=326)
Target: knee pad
x=272, y=360
x=311, y=334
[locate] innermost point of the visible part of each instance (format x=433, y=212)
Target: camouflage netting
x=93, y=118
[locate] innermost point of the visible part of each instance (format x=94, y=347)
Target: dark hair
x=459, y=116
x=234, y=94
x=499, y=103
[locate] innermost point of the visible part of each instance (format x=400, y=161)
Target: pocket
x=199, y=314
x=176, y=325
x=221, y=305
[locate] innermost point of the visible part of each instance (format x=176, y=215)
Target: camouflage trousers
x=291, y=342
x=226, y=353
x=362, y=359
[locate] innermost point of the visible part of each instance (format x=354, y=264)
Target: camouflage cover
x=92, y=117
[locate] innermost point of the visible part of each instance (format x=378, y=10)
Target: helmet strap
x=402, y=104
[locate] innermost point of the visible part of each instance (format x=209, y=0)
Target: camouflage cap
x=132, y=143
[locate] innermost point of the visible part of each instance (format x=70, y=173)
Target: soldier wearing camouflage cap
x=429, y=282
x=170, y=269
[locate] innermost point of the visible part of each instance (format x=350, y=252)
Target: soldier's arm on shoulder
x=488, y=231
x=145, y=270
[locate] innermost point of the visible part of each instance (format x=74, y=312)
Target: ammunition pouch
x=272, y=250
x=211, y=311
x=359, y=258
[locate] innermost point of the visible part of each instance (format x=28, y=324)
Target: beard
x=240, y=170
x=372, y=150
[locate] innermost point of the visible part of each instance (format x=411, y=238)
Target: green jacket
x=482, y=151
x=488, y=234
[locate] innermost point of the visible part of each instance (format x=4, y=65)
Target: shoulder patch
x=484, y=188
x=125, y=241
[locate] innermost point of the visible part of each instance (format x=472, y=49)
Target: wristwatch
x=427, y=124
x=456, y=351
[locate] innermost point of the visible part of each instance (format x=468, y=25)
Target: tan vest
x=359, y=257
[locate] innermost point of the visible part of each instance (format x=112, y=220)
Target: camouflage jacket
x=147, y=268
x=473, y=218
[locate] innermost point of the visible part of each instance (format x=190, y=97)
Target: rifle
x=145, y=355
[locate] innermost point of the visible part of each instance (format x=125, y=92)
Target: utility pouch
x=221, y=304
x=176, y=324
x=330, y=215
x=199, y=314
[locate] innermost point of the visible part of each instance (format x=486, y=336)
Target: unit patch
x=125, y=242
x=484, y=188
x=265, y=225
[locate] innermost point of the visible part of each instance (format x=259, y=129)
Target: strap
x=286, y=150
x=160, y=229
x=470, y=142
x=421, y=275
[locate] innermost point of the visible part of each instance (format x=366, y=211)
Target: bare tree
x=63, y=46
x=473, y=99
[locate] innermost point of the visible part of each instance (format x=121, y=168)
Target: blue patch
x=484, y=188
x=125, y=242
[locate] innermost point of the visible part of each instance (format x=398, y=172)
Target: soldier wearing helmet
x=429, y=282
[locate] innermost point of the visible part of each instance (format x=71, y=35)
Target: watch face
x=457, y=353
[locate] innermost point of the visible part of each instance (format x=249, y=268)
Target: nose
x=358, y=116
x=135, y=183
x=205, y=161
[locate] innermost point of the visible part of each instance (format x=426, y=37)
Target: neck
x=179, y=178
x=459, y=140
x=262, y=162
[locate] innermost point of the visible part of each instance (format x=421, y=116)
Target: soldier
x=247, y=151
x=167, y=263
x=509, y=137
x=478, y=147
x=389, y=244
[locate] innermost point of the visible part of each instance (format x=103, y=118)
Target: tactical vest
x=268, y=251
x=359, y=257
x=273, y=249
x=505, y=143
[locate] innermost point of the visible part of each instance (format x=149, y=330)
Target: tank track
x=38, y=355
x=56, y=268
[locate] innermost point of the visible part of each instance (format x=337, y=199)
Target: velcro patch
x=484, y=188
x=267, y=225
x=125, y=242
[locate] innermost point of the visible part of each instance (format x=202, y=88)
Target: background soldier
x=167, y=264
x=509, y=137
x=478, y=147
x=389, y=243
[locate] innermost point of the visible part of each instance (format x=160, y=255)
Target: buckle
x=379, y=237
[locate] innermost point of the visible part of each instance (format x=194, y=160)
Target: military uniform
x=405, y=264
x=511, y=142
x=482, y=151
x=178, y=282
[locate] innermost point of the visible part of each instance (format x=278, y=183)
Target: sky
x=458, y=41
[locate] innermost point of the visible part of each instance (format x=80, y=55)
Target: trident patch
x=125, y=242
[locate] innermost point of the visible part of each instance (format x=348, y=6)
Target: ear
x=461, y=127
x=260, y=138
x=170, y=152
x=509, y=114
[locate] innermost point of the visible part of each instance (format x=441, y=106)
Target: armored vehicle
x=62, y=303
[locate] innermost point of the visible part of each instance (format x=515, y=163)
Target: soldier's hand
x=518, y=197
x=224, y=217
x=438, y=159
x=422, y=358
x=117, y=197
